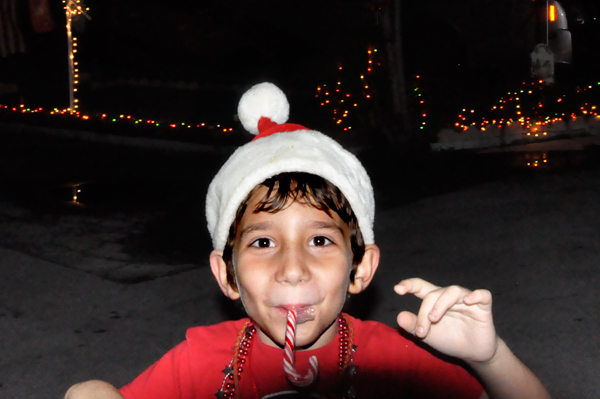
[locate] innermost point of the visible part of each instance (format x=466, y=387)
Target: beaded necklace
x=233, y=371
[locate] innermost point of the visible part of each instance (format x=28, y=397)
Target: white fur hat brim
x=298, y=151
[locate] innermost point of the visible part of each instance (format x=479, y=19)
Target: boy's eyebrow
x=254, y=227
x=317, y=224
x=327, y=225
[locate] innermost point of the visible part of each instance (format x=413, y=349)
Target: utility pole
x=391, y=23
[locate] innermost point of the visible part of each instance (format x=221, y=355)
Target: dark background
x=134, y=54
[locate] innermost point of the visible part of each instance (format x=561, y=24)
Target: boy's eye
x=262, y=243
x=320, y=241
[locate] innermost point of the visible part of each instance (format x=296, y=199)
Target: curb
x=146, y=143
x=139, y=142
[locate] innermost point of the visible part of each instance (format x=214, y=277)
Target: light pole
x=73, y=8
x=547, y=18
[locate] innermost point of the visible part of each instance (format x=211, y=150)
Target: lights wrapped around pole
x=72, y=9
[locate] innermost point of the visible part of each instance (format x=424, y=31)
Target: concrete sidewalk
x=533, y=240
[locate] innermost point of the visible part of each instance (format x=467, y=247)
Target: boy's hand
x=453, y=320
x=93, y=389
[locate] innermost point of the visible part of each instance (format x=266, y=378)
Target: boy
x=291, y=219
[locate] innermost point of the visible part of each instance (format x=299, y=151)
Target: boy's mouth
x=304, y=313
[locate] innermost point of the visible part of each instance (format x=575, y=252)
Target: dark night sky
x=200, y=35
x=225, y=40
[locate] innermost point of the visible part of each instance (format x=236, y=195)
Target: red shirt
x=388, y=364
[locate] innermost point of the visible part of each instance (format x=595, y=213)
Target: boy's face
x=297, y=258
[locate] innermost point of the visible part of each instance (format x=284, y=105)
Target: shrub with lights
x=535, y=106
x=352, y=93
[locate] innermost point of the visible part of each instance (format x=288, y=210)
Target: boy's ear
x=219, y=270
x=365, y=270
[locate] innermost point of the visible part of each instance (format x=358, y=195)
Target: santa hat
x=283, y=147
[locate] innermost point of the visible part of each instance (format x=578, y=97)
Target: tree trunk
x=391, y=24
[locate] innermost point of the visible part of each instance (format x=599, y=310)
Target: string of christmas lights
x=121, y=118
x=419, y=108
x=535, y=106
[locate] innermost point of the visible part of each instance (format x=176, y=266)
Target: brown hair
x=286, y=188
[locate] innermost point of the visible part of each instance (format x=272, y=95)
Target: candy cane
x=289, y=356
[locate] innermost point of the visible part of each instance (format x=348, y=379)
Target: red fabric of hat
x=267, y=127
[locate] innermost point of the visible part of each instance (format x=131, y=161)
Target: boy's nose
x=293, y=268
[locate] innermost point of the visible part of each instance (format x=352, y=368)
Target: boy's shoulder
x=371, y=329
x=378, y=342
x=215, y=332
x=391, y=352
x=210, y=348
x=370, y=337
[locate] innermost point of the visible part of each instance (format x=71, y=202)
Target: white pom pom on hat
x=265, y=100
x=281, y=147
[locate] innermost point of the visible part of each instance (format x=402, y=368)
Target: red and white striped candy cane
x=289, y=356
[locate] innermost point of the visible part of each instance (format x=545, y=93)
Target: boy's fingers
x=449, y=297
x=424, y=317
x=426, y=291
x=436, y=303
x=408, y=321
x=416, y=286
x=479, y=297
